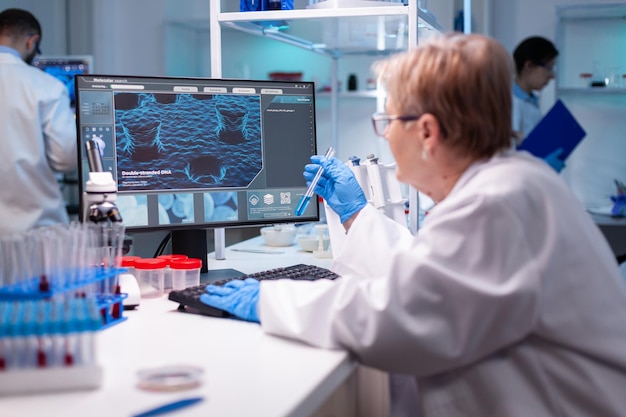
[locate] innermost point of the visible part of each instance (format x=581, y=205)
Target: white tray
x=31, y=381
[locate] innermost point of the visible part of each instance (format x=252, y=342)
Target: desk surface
x=246, y=372
x=607, y=220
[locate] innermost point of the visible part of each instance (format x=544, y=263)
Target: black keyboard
x=189, y=298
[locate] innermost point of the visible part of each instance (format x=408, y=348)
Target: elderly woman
x=508, y=302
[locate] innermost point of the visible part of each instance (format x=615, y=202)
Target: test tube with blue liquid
x=304, y=201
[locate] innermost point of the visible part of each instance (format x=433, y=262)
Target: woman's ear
x=429, y=134
x=430, y=126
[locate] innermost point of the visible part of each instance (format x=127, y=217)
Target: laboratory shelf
x=591, y=39
x=337, y=32
x=336, y=29
x=592, y=11
x=592, y=90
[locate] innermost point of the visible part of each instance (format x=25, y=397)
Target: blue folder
x=557, y=129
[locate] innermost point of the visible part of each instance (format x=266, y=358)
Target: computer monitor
x=64, y=68
x=200, y=153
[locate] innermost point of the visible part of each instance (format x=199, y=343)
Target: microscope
x=100, y=189
x=99, y=208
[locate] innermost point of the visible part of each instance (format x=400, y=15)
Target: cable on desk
x=162, y=245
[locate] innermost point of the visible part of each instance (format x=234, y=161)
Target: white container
x=150, y=274
x=185, y=272
x=311, y=243
x=168, y=270
x=128, y=262
x=279, y=235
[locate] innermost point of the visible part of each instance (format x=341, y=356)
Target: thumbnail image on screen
x=200, y=152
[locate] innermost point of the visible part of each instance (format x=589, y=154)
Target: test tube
x=304, y=201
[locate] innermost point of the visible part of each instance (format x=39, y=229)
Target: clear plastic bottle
x=150, y=273
x=598, y=76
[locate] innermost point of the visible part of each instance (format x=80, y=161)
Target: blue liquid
x=302, y=205
x=304, y=201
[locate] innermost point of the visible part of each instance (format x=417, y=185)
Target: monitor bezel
x=191, y=226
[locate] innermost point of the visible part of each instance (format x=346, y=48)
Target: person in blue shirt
x=535, y=58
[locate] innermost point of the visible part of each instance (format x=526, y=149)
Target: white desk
x=252, y=262
x=614, y=230
x=247, y=373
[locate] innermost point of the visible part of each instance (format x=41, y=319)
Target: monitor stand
x=219, y=238
x=193, y=243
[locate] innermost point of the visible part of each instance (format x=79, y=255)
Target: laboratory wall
x=157, y=37
x=171, y=37
x=599, y=159
x=514, y=20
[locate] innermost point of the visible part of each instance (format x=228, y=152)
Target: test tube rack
x=92, y=283
x=48, y=345
x=36, y=353
x=27, y=378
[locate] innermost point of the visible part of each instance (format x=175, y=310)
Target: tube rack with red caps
x=48, y=345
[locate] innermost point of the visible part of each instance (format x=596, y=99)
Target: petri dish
x=170, y=378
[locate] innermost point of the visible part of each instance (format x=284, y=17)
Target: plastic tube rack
x=58, y=289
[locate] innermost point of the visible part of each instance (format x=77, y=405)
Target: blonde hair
x=464, y=81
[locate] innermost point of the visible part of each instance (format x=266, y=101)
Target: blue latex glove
x=619, y=206
x=338, y=186
x=237, y=297
x=554, y=161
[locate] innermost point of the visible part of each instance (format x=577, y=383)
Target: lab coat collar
x=8, y=50
x=523, y=95
x=477, y=166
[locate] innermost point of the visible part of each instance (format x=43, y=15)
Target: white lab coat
x=508, y=302
x=37, y=139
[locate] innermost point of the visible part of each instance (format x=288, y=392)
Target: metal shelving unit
x=589, y=36
x=591, y=42
x=370, y=28
x=381, y=29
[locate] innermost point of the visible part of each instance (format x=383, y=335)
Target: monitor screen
x=199, y=153
x=64, y=68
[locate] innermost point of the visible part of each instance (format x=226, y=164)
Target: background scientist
x=535, y=60
x=508, y=302
x=37, y=130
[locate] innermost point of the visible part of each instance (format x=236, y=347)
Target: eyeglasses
x=381, y=121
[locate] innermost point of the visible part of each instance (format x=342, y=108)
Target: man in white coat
x=37, y=130
x=508, y=301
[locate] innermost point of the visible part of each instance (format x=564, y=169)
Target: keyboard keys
x=189, y=298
